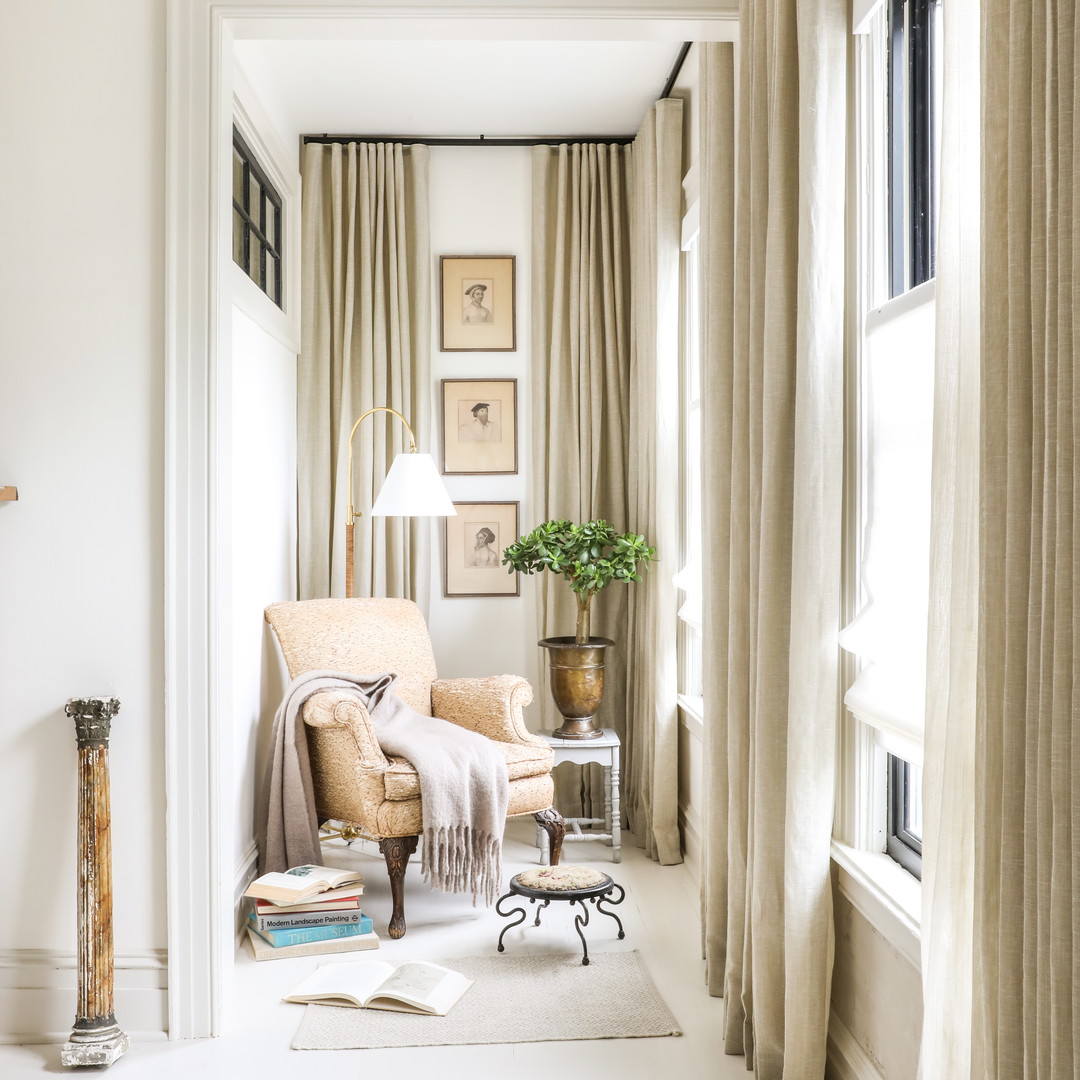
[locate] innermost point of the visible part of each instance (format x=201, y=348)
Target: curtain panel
x=1027, y=808
x=366, y=328
x=773, y=241
x=948, y=782
x=606, y=249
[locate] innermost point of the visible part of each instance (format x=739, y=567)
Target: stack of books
x=306, y=911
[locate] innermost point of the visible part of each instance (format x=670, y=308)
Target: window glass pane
x=914, y=822
x=255, y=255
x=237, y=178
x=238, y=238
x=269, y=221
x=273, y=279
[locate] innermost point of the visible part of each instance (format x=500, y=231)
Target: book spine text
x=311, y=919
x=303, y=935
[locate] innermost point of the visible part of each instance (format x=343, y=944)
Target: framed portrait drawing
x=479, y=418
x=477, y=309
x=475, y=540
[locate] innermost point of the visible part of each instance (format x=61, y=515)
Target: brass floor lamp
x=412, y=488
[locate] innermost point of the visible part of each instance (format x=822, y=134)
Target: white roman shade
x=889, y=633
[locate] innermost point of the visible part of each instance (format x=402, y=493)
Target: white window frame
x=886, y=895
x=689, y=578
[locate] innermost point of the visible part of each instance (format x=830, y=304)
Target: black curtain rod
x=553, y=140
x=669, y=85
x=416, y=140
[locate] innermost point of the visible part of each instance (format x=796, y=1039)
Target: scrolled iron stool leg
x=581, y=921
x=539, y=909
x=606, y=899
x=520, y=912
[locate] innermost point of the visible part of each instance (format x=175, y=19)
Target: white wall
x=260, y=502
x=264, y=558
x=81, y=412
x=481, y=205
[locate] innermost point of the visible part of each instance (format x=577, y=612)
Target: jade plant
x=589, y=557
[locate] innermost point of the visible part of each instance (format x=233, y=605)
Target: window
x=913, y=125
x=688, y=579
x=256, y=222
x=903, y=840
x=898, y=109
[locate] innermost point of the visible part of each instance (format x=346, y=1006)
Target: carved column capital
x=93, y=717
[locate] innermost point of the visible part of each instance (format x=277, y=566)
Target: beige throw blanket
x=463, y=786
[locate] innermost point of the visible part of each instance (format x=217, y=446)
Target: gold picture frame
x=479, y=426
x=472, y=552
x=477, y=308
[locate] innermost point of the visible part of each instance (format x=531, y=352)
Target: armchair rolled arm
x=490, y=706
x=340, y=709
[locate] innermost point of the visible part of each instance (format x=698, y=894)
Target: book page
x=345, y=983
x=426, y=986
x=300, y=877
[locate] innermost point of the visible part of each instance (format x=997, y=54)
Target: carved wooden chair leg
x=396, y=850
x=551, y=821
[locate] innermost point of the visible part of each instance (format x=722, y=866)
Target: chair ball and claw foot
x=551, y=821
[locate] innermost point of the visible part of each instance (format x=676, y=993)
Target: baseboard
x=38, y=994
x=847, y=1060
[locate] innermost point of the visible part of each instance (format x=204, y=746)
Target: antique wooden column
x=96, y=1039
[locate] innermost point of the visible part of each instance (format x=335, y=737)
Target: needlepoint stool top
x=560, y=878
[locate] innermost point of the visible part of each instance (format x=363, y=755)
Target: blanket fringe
x=459, y=859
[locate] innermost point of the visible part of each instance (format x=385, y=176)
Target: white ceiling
x=499, y=89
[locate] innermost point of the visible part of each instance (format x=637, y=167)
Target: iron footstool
x=574, y=884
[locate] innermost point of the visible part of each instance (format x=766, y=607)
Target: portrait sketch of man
x=478, y=303
x=481, y=426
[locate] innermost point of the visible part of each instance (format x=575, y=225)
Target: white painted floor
x=660, y=915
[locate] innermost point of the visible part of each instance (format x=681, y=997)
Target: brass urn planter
x=589, y=558
x=576, y=671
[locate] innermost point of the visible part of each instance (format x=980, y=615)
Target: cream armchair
x=378, y=795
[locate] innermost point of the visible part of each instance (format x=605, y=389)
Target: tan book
x=346, y=903
x=302, y=883
x=416, y=986
x=265, y=951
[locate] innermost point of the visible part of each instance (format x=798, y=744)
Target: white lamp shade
x=412, y=488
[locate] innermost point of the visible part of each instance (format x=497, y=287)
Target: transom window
x=256, y=222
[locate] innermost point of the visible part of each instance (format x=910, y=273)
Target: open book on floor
x=303, y=883
x=416, y=986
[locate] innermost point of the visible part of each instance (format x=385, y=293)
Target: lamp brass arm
x=350, y=514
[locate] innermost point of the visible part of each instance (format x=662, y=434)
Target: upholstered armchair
x=377, y=795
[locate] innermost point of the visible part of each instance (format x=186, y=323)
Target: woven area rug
x=515, y=999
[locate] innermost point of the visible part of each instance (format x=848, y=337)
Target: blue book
x=302, y=935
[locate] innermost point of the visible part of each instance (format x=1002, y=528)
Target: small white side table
x=605, y=752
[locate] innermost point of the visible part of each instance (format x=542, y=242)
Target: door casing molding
x=199, y=97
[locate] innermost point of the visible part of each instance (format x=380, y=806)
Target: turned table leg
x=96, y=1039
x=396, y=850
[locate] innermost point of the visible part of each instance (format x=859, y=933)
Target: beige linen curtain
x=652, y=718
x=365, y=342
x=773, y=388
x=605, y=348
x=952, y=635
x=1027, y=812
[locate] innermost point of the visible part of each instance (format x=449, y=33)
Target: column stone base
x=94, y=1046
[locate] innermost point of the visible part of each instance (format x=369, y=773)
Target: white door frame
x=198, y=217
